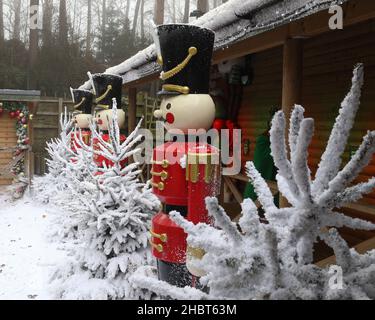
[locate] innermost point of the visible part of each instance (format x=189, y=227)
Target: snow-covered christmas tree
x=275, y=260
x=114, y=236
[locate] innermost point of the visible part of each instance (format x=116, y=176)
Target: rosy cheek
x=100, y=122
x=170, y=118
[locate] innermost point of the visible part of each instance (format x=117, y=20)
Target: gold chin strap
x=109, y=88
x=176, y=88
x=171, y=73
x=159, y=60
x=80, y=104
x=101, y=107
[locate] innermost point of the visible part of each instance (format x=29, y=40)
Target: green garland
x=19, y=112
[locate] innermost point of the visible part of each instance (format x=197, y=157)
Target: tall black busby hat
x=83, y=100
x=185, y=52
x=106, y=87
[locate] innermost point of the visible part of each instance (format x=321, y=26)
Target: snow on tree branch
x=331, y=158
x=279, y=152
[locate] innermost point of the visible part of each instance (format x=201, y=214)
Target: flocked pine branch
x=331, y=158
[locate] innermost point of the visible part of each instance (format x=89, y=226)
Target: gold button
x=164, y=175
x=165, y=164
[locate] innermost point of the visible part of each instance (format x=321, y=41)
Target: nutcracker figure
x=106, y=87
x=183, y=173
x=82, y=117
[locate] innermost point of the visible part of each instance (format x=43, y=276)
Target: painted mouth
x=99, y=122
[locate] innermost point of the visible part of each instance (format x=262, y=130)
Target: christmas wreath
x=20, y=113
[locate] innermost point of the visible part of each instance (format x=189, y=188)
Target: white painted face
x=104, y=117
x=82, y=120
x=184, y=112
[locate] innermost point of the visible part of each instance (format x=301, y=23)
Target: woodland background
x=78, y=36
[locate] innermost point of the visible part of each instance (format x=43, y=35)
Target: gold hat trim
x=109, y=88
x=192, y=51
x=80, y=104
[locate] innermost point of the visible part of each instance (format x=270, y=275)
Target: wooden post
x=292, y=82
x=292, y=74
x=159, y=12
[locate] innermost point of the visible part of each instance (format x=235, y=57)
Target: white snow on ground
x=26, y=254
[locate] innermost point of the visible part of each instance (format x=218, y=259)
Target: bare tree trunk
x=33, y=49
x=143, y=20
x=73, y=23
x=34, y=39
x=159, y=12
x=63, y=24
x=17, y=20
x=47, y=22
x=135, y=20
x=1, y=23
x=186, y=11
x=104, y=24
x=88, y=37
x=202, y=5
x=127, y=12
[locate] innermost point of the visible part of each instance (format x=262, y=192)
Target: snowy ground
x=26, y=254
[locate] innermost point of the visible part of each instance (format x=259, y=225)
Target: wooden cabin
x=8, y=133
x=293, y=58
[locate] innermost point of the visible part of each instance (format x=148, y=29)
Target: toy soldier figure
x=106, y=88
x=82, y=117
x=185, y=52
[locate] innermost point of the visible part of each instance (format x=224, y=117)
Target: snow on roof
x=233, y=21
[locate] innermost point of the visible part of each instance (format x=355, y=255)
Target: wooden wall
x=261, y=96
x=328, y=64
x=8, y=138
x=327, y=71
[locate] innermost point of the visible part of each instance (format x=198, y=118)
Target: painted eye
x=169, y=106
x=99, y=116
